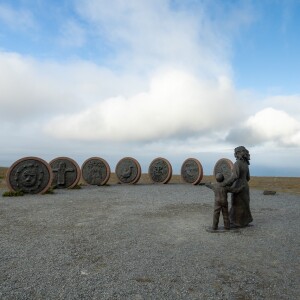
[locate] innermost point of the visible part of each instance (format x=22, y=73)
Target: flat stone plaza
x=146, y=241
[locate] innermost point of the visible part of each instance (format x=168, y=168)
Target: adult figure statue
x=240, y=214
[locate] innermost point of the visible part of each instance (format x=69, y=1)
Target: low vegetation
x=13, y=194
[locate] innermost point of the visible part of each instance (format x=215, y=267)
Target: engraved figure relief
x=95, y=171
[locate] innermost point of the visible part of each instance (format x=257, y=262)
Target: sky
x=151, y=78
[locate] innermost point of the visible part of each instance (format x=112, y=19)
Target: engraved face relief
x=191, y=169
x=29, y=175
x=160, y=171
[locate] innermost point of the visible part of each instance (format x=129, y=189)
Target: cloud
x=31, y=89
x=288, y=103
x=147, y=34
x=72, y=34
x=158, y=82
x=268, y=126
x=176, y=103
x=16, y=19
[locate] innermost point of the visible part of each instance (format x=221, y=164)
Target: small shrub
x=13, y=194
x=50, y=191
x=76, y=187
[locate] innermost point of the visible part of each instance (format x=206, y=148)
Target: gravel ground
x=145, y=242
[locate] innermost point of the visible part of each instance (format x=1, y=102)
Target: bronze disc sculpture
x=128, y=170
x=30, y=175
x=66, y=172
x=223, y=166
x=160, y=170
x=192, y=171
x=95, y=171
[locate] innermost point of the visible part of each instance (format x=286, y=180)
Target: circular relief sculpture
x=128, y=170
x=223, y=166
x=95, y=171
x=192, y=171
x=160, y=170
x=31, y=175
x=66, y=172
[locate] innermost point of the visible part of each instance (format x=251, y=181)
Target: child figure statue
x=221, y=203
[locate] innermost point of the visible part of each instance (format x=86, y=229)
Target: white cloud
x=32, y=89
x=16, y=19
x=288, y=103
x=166, y=87
x=177, y=103
x=268, y=126
x=148, y=34
x=72, y=34
x=275, y=125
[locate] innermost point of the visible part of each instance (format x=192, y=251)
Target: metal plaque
x=192, y=171
x=30, y=175
x=160, y=170
x=224, y=166
x=95, y=171
x=128, y=170
x=66, y=172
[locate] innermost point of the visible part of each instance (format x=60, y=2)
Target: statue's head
x=219, y=177
x=242, y=153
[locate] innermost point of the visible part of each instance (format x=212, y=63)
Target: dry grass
x=2, y=177
x=278, y=184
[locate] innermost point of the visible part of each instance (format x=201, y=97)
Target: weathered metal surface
x=66, y=172
x=192, y=171
x=160, y=170
x=95, y=171
x=223, y=166
x=30, y=175
x=128, y=170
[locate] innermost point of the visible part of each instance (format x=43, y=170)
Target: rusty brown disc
x=66, y=172
x=95, y=171
x=31, y=175
x=128, y=170
x=224, y=166
x=192, y=171
x=160, y=170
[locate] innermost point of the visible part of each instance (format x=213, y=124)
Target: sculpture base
x=221, y=229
